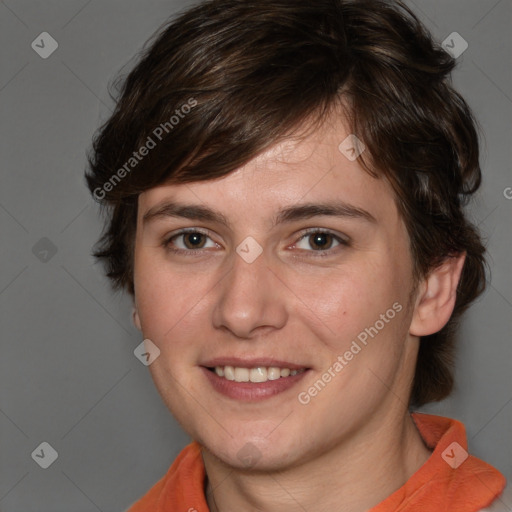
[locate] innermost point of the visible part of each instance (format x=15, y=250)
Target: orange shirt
x=450, y=480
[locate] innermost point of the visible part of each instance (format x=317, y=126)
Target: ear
x=136, y=319
x=436, y=297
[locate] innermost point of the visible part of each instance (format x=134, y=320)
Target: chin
x=252, y=453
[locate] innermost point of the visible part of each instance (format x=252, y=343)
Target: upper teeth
x=260, y=374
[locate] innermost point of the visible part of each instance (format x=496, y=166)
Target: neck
x=352, y=476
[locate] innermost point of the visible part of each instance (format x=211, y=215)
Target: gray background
x=68, y=375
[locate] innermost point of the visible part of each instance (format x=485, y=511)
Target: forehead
x=318, y=167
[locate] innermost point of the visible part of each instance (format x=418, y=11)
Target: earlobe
x=136, y=319
x=437, y=295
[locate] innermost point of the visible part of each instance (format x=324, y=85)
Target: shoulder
x=183, y=480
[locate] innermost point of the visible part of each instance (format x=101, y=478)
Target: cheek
x=170, y=304
x=349, y=300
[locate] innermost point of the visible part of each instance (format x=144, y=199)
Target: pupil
x=320, y=239
x=194, y=239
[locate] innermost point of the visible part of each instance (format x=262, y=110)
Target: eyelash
x=317, y=254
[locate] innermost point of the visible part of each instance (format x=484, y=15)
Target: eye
x=192, y=240
x=320, y=241
x=188, y=240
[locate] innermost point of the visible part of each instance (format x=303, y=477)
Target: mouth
x=252, y=380
x=256, y=375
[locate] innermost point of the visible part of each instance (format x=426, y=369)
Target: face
x=292, y=273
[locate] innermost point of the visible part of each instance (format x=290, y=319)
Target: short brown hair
x=252, y=72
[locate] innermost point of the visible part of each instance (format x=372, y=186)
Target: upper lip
x=240, y=362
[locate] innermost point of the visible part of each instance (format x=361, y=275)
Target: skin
x=354, y=443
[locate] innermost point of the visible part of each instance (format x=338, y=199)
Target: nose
x=251, y=299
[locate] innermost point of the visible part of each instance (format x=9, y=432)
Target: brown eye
x=194, y=240
x=189, y=241
x=321, y=241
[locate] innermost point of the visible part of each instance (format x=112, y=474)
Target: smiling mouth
x=256, y=375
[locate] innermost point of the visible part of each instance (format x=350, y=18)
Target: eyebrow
x=288, y=214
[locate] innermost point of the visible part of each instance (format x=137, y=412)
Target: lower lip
x=251, y=391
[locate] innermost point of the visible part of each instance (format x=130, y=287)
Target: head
x=248, y=111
